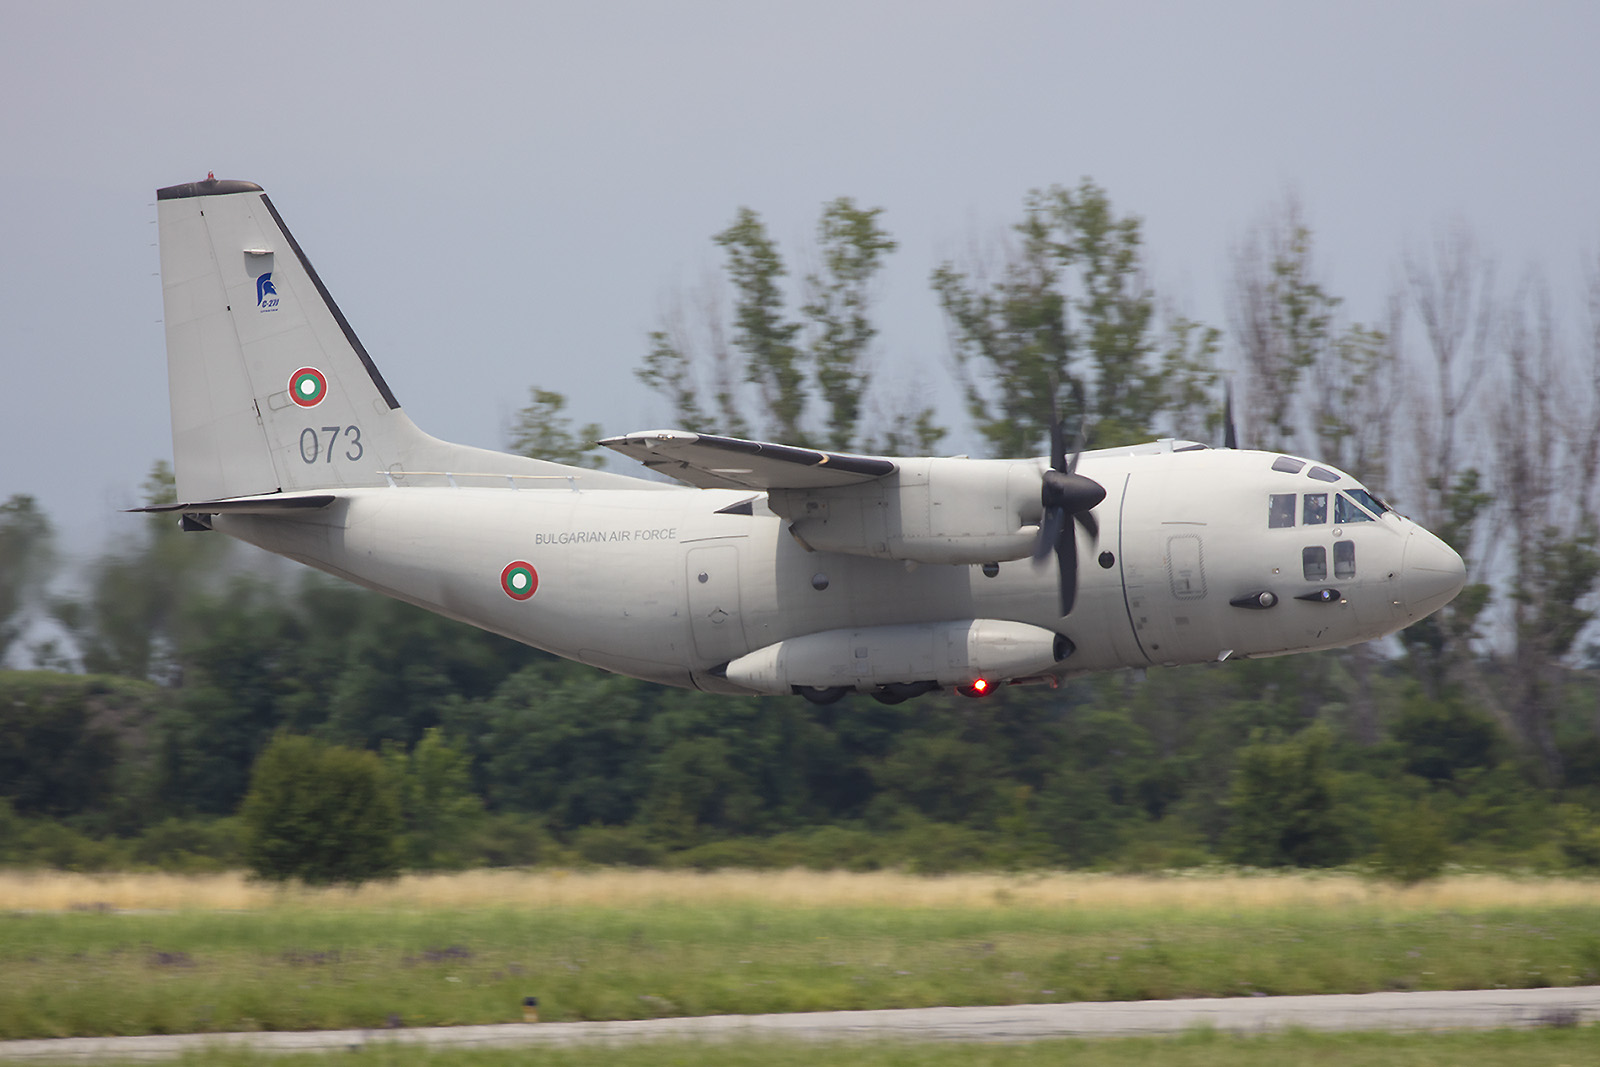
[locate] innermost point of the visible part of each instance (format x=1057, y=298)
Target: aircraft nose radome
x=1431, y=573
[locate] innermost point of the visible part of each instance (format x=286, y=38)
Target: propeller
x=1230, y=436
x=1067, y=497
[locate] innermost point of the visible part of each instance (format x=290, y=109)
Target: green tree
x=1283, y=322
x=1543, y=426
x=762, y=330
x=26, y=559
x=1284, y=811
x=853, y=245
x=908, y=433
x=1412, y=844
x=437, y=805
x=1443, y=640
x=1114, y=309
x=127, y=623
x=321, y=814
x=1443, y=741
x=669, y=370
x=944, y=777
x=1188, y=380
x=57, y=757
x=541, y=431
x=1313, y=382
x=1010, y=340
x=563, y=742
x=702, y=363
x=696, y=789
x=1070, y=308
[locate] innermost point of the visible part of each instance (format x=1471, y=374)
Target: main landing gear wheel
x=829, y=695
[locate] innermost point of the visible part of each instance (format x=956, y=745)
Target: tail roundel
x=271, y=389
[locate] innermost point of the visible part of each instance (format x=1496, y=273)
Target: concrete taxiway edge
x=1447, y=1010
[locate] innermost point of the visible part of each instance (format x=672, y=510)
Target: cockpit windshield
x=1351, y=505
x=1368, y=501
x=1345, y=511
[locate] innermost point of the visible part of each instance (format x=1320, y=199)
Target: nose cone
x=1431, y=574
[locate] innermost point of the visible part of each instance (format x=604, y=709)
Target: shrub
x=512, y=840
x=744, y=852
x=1283, y=806
x=1580, y=836
x=616, y=846
x=189, y=846
x=320, y=813
x=1412, y=845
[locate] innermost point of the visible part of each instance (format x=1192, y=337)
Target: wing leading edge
x=711, y=462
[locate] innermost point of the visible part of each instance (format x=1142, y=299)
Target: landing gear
x=818, y=695
x=899, y=692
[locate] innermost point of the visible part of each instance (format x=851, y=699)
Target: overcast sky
x=503, y=195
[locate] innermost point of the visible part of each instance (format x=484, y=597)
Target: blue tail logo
x=266, y=293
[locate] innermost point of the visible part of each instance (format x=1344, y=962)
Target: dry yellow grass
x=1104, y=893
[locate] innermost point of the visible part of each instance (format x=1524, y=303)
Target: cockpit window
x=1316, y=509
x=1280, y=510
x=1368, y=501
x=1323, y=474
x=1287, y=465
x=1345, y=511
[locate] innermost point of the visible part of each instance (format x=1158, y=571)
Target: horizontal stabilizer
x=266, y=504
x=711, y=462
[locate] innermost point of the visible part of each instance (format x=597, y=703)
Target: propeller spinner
x=1067, y=497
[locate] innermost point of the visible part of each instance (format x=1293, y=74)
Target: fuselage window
x=1316, y=511
x=1368, y=501
x=1322, y=474
x=1314, y=561
x=1345, y=510
x=1344, y=559
x=1287, y=465
x=1280, y=510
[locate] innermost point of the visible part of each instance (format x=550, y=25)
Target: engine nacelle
x=930, y=510
x=949, y=653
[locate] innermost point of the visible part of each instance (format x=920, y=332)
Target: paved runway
x=1457, y=1010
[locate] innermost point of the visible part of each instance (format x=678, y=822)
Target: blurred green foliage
x=320, y=813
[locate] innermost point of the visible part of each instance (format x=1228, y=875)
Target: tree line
x=183, y=661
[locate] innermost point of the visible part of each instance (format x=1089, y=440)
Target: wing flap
x=708, y=461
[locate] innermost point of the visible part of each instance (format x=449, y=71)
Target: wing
x=711, y=462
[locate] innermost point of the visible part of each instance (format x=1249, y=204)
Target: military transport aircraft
x=776, y=569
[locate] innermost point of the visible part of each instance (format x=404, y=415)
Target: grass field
x=1187, y=892
x=1537, y=1048
x=157, y=954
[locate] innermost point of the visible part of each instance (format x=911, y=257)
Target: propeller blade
x=1087, y=520
x=1049, y=533
x=1079, y=440
x=1067, y=565
x=1230, y=436
x=1066, y=496
x=1058, y=440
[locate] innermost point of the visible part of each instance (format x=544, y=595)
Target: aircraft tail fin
x=271, y=389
